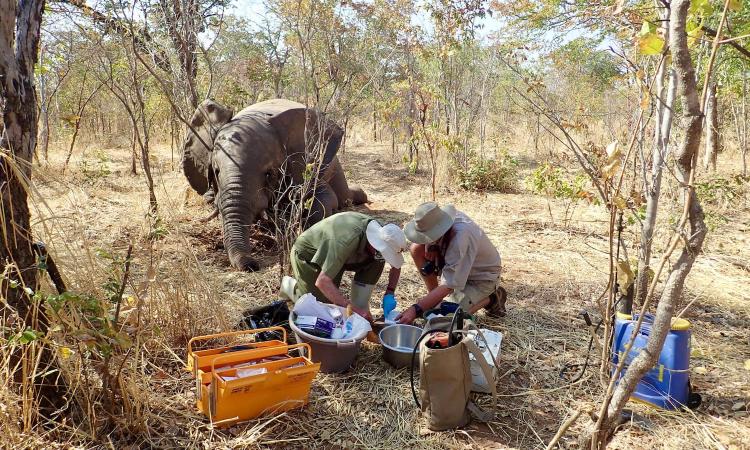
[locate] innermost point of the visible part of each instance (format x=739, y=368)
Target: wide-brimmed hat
x=430, y=222
x=388, y=240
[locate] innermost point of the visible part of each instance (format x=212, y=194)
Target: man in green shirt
x=347, y=241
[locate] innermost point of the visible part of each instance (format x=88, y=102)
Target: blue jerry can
x=667, y=385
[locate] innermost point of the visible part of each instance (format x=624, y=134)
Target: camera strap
x=444, y=243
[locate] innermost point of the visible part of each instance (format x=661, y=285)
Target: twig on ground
x=563, y=428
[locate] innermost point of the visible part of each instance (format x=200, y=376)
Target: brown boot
x=496, y=307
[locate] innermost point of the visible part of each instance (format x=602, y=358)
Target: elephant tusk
x=212, y=216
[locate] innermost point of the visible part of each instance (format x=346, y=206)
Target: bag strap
x=472, y=326
x=472, y=348
x=482, y=415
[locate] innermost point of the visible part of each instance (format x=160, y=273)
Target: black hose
x=585, y=364
x=413, y=358
x=458, y=317
x=588, y=352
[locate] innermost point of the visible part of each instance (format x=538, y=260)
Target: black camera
x=429, y=268
x=433, y=267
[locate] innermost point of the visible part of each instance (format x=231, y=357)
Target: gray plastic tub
x=334, y=355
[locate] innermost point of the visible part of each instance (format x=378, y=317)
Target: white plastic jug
x=491, y=352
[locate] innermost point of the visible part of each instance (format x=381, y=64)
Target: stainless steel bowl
x=398, y=343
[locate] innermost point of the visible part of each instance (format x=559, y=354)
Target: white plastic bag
x=245, y=372
x=390, y=319
x=356, y=327
x=491, y=351
x=307, y=305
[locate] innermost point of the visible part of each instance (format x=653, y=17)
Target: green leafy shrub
x=720, y=194
x=97, y=169
x=500, y=174
x=723, y=192
x=553, y=182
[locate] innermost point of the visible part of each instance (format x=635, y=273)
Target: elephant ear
x=300, y=129
x=206, y=122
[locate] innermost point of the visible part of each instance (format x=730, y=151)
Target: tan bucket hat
x=430, y=222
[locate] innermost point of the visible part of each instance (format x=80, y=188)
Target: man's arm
x=429, y=301
x=393, y=277
x=435, y=296
x=332, y=293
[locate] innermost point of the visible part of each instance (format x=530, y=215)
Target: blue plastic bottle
x=667, y=385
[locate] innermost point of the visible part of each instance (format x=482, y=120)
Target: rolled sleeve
x=459, y=259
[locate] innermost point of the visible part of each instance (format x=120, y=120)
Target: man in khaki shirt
x=449, y=245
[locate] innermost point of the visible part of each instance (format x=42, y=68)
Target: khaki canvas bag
x=445, y=384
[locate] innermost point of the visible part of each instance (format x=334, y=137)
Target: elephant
x=238, y=161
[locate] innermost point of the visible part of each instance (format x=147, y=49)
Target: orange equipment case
x=279, y=385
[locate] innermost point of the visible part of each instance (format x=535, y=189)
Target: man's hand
x=408, y=316
x=329, y=289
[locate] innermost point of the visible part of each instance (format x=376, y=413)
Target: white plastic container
x=494, y=339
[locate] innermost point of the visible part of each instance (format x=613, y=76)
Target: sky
x=253, y=9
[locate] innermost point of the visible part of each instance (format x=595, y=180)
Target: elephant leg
x=359, y=196
x=347, y=195
x=323, y=205
x=337, y=181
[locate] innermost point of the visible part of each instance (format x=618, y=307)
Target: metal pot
x=398, y=343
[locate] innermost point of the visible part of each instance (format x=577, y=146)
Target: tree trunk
x=744, y=121
x=18, y=56
x=172, y=138
x=44, y=107
x=712, y=130
x=144, y=144
x=181, y=19
x=739, y=120
x=597, y=436
x=72, y=144
x=342, y=148
x=82, y=103
x=134, y=153
x=662, y=133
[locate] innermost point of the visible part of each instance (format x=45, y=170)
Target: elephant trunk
x=238, y=216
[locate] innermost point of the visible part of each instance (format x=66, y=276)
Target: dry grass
x=182, y=285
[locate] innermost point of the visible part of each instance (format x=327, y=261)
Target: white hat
x=388, y=240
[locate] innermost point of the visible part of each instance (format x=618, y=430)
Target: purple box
x=315, y=326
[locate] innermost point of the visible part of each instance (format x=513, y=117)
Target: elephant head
x=196, y=156
x=239, y=161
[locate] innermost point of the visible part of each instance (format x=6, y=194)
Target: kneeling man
x=449, y=245
x=347, y=241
